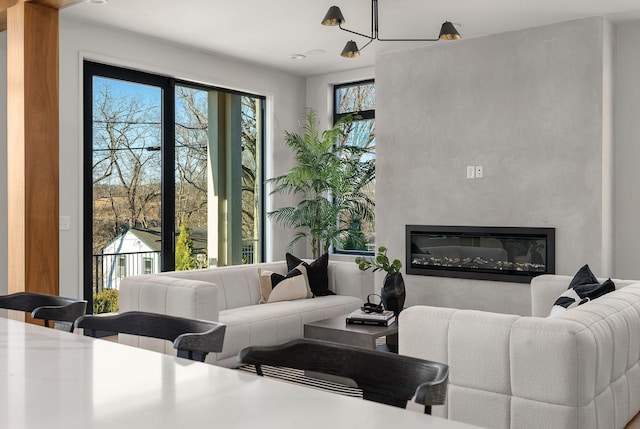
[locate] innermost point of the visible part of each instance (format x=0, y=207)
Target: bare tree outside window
x=192, y=142
x=126, y=161
x=192, y=124
x=150, y=162
x=127, y=136
x=127, y=139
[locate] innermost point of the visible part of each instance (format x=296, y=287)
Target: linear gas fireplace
x=508, y=254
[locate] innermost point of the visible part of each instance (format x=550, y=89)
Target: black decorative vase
x=393, y=293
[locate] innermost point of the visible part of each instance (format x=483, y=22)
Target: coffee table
x=337, y=330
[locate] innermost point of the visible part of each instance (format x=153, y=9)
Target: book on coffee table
x=373, y=322
x=359, y=314
x=359, y=317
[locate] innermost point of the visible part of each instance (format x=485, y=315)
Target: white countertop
x=57, y=380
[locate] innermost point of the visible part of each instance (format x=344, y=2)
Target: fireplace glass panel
x=491, y=253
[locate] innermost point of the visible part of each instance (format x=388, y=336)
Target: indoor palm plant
x=328, y=181
x=393, y=290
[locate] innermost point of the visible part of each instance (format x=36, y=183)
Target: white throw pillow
x=567, y=300
x=275, y=287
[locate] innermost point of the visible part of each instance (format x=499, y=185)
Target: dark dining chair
x=193, y=339
x=383, y=377
x=62, y=311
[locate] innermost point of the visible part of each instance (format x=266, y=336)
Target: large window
x=358, y=98
x=173, y=176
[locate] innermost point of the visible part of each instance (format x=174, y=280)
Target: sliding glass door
x=218, y=148
x=173, y=178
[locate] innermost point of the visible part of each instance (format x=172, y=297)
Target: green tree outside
x=105, y=301
x=185, y=260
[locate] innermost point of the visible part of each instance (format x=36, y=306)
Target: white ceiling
x=269, y=32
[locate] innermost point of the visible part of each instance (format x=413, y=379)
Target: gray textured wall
x=528, y=107
x=627, y=134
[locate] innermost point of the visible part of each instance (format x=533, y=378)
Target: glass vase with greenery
x=393, y=291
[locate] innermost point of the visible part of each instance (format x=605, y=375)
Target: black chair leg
x=192, y=355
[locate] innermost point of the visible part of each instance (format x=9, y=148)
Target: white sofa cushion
x=345, y=278
x=167, y=295
x=238, y=285
x=276, y=323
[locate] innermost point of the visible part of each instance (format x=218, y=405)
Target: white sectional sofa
x=230, y=295
x=580, y=370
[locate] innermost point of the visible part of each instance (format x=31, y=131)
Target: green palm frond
x=329, y=179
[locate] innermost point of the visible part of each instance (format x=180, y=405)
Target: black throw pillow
x=316, y=272
x=583, y=288
x=584, y=276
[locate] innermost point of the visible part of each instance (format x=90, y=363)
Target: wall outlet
x=479, y=172
x=65, y=223
x=471, y=172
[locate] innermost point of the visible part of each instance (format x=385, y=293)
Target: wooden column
x=32, y=152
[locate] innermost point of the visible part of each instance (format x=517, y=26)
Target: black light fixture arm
x=371, y=39
x=355, y=32
x=374, y=26
x=375, y=34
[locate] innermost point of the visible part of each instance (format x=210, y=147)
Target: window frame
x=365, y=115
x=92, y=69
x=122, y=266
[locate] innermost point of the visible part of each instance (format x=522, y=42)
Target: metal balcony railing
x=109, y=268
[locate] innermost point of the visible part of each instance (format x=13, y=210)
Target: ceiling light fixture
x=334, y=18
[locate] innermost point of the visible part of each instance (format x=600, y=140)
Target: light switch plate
x=471, y=172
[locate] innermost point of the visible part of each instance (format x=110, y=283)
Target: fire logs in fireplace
x=490, y=253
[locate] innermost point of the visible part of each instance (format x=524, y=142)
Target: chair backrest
x=46, y=307
x=383, y=377
x=193, y=339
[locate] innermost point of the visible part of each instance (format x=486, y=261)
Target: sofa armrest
x=188, y=298
x=545, y=289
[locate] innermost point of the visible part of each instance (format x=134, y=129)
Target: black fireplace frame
x=481, y=231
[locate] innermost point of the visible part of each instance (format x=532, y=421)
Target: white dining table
x=59, y=380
